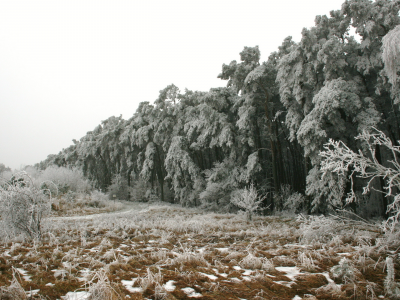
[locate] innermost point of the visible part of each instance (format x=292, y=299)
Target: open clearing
x=161, y=251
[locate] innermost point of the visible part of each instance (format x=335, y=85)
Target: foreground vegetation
x=160, y=251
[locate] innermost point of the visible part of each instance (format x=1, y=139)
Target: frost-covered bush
x=221, y=181
x=318, y=229
x=139, y=189
x=101, y=288
x=248, y=200
x=119, y=187
x=65, y=179
x=340, y=159
x=289, y=200
x=23, y=206
x=344, y=271
x=14, y=290
x=98, y=199
x=391, y=286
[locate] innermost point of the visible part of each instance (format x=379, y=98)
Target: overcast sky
x=67, y=65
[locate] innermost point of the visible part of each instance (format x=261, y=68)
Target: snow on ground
x=169, y=286
x=191, y=293
x=24, y=274
x=291, y=272
x=76, y=296
x=128, y=284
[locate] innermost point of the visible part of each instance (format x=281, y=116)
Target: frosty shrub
x=318, y=229
x=338, y=158
x=289, y=200
x=22, y=206
x=65, y=179
x=100, y=287
x=119, y=187
x=392, y=287
x=15, y=290
x=344, y=271
x=98, y=199
x=248, y=200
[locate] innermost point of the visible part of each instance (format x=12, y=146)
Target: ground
x=163, y=251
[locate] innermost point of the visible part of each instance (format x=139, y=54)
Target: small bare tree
x=248, y=200
x=22, y=206
x=338, y=158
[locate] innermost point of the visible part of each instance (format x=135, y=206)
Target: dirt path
x=128, y=207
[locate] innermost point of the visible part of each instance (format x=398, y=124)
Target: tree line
x=266, y=127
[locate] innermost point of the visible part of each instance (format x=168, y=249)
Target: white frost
x=32, y=293
x=169, y=286
x=291, y=272
x=212, y=277
x=191, y=293
x=76, y=296
x=24, y=274
x=128, y=284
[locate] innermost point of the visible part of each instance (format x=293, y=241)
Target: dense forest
x=265, y=128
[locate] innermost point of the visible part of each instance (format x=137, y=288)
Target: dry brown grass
x=219, y=256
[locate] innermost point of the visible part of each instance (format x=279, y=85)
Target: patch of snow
x=169, y=286
x=128, y=284
x=49, y=284
x=291, y=272
x=296, y=298
x=296, y=245
x=222, y=250
x=235, y=279
x=32, y=293
x=212, y=277
x=220, y=274
x=7, y=253
x=58, y=273
x=344, y=254
x=237, y=268
x=248, y=272
x=24, y=274
x=246, y=278
x=76, y=296
x=152, y=241
x=191, y=293
x=326, y=274
x=201, y=250
x=285, y=283
x=85, y=274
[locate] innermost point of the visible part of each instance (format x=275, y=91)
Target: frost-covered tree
x=338, y=158
x=23, y=207
x=248, y=200
x=3, y=168
x=182, y=171
x=331, y=84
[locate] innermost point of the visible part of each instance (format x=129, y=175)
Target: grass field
x=159, y=251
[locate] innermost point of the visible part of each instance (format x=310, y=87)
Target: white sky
x=67, y=65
